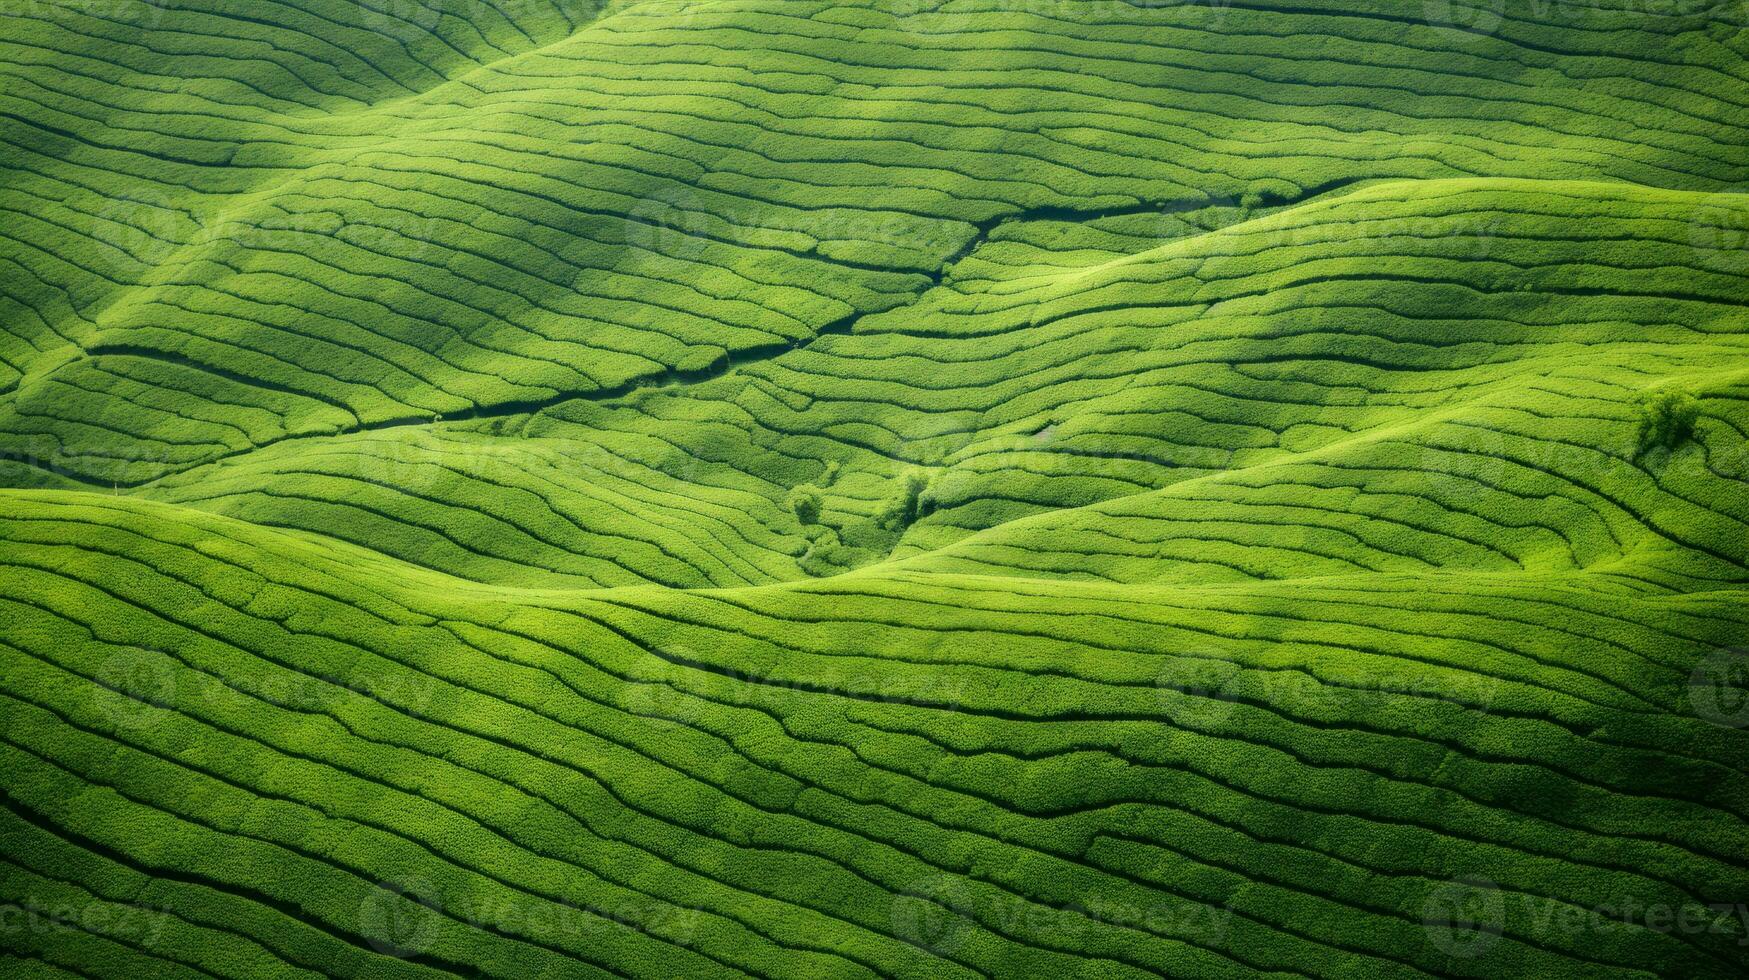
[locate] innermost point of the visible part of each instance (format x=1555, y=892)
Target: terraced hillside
x=989, y=488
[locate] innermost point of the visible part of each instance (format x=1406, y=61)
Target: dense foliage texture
x=990, y=488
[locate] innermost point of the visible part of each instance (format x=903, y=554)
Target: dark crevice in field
x=985, y=229
x=670, y=377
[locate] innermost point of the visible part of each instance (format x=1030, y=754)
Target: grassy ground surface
x=993, y=488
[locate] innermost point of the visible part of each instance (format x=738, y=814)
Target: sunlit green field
x=991, y=488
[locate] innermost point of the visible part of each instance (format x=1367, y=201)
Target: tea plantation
x=978, y=488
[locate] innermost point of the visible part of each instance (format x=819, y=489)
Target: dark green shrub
x=904, y=507
x=1667, y=417
x=804, y=502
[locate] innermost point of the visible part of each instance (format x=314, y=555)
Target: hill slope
x=796, y=489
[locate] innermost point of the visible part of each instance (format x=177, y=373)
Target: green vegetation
x=906, y=502
x=1667, y=417
x=987, y=489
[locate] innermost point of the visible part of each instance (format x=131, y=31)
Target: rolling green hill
x=990, y=488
